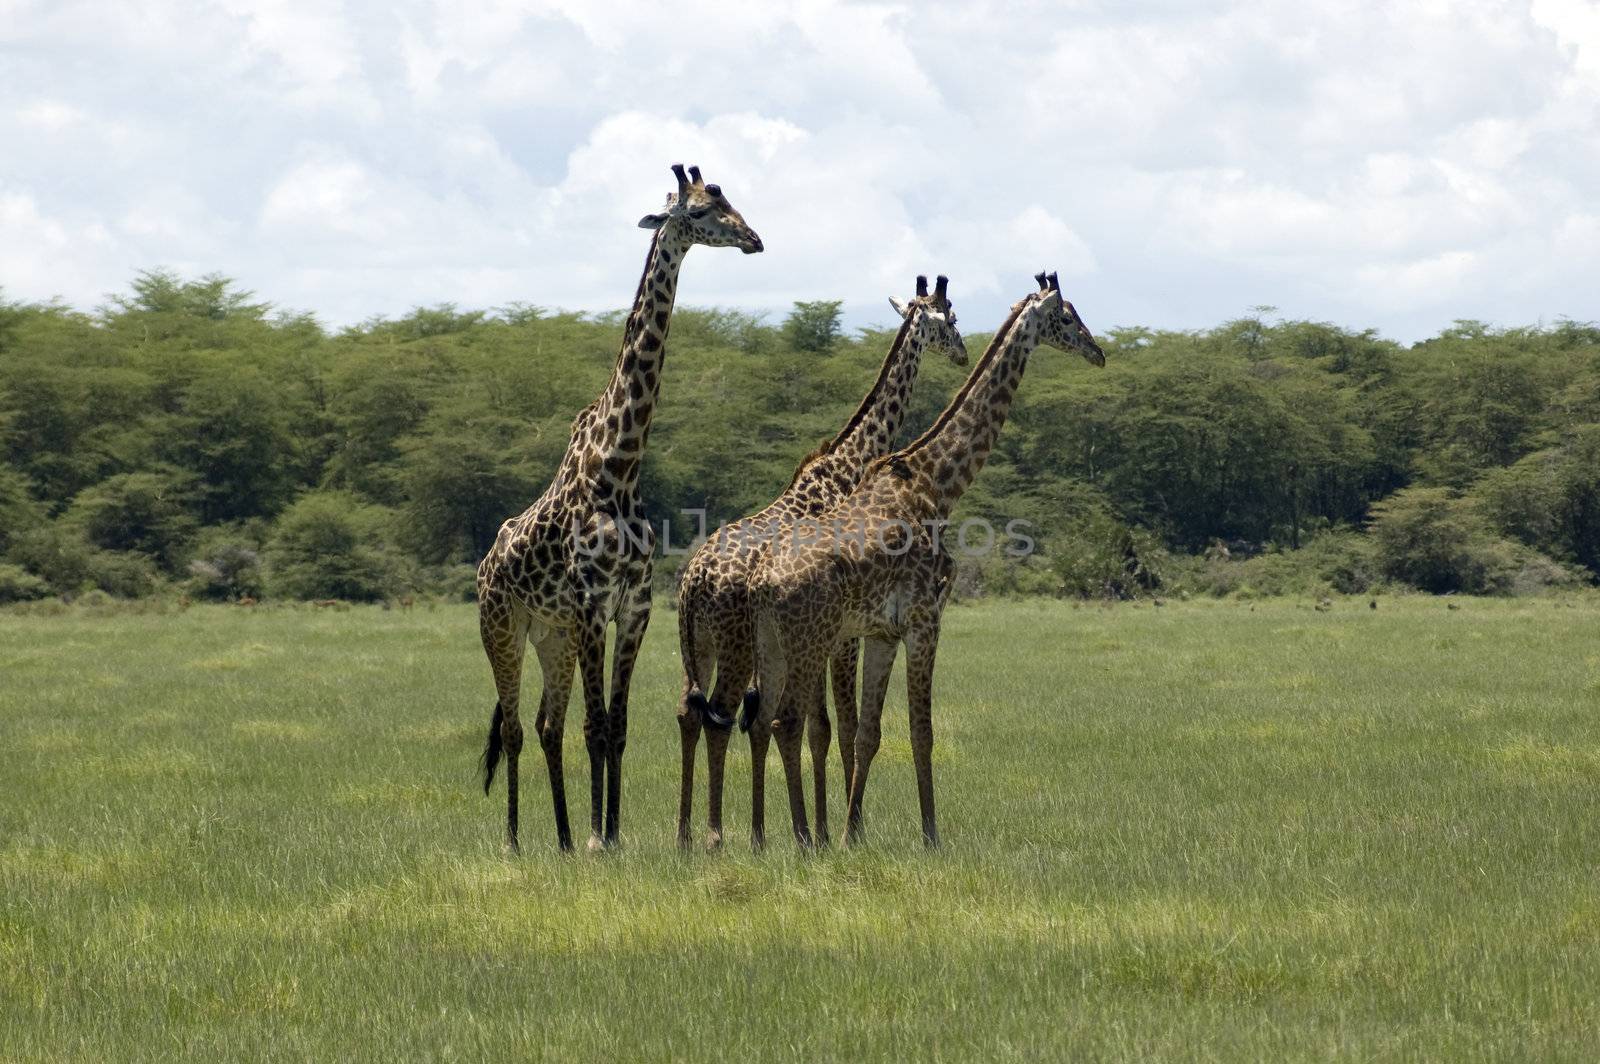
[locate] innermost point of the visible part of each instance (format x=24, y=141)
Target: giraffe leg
x=591, y=647
x=842, y=671
x=921, y=646
x=689, y=732
x=632, y=619
x=734, y=667
x=819, y=732
x=788, y=728
x=556, y=656
x=697, y=651
x=773, y=676
x=503, y=626
x=874, y=686
x=716, y=759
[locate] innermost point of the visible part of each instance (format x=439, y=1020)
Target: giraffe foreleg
x=819, y=733
x=922, y=644
x=591, y=650
x=842, y=669
x=632, y=620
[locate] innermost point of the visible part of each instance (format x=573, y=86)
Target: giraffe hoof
x=596, y=844
x=713, y=842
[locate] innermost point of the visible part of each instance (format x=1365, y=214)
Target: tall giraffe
x=879, y=569
x=580, y=557
x=715, y=630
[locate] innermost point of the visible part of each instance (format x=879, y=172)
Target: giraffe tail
x=694, y=695
x=491, y=749
x=751, y=707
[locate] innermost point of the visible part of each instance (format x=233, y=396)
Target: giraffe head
x=1058, y=321
x=702, y=214
x=933, y=320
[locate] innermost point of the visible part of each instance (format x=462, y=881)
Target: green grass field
x=1207, y=831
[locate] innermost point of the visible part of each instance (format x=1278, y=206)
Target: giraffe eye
x=700, y=212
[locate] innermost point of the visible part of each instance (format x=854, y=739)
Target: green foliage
x=813, y=326
x=227, y=566
x=1436, y=541
x=58, y=554
x=331, y=545
x=19, y=511
x=1550, y=500
x=1102, y=558
x=148, y=512
x=184, y=407
x=1334, y=562
x=19, y=585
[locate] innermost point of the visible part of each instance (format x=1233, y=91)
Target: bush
x=19, y=512
x=58, y=555
x=146, y=512
x=331, y=545
x=123, y=574
x=1550, y=500
x=1100, y=557
x=1538, y=573
x=455, y=583
x=227, y=571
x=19, y=585
x=1333, y=563
x=1435, y=541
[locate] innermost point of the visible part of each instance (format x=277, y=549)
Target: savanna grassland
x=1204, y=831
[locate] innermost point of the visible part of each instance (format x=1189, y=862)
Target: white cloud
x=49, y=115
x=1393, y=164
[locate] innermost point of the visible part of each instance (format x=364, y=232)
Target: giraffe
x=580, y=556
x=878, y=569
x=714, y=626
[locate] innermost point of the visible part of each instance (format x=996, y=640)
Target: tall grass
x=1204, y=831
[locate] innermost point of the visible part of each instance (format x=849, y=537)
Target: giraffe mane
x=878, y=382
x=644, y=278
x=990, y=354
x=827, y=447
x=822, y=450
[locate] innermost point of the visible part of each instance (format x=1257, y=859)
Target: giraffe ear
x=899, y=307
x=652, y=221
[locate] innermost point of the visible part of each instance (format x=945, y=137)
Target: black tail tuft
x=752, y=707
x=491, y=749
x=708, y=713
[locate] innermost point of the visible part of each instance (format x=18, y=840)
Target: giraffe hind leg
x=504, y=628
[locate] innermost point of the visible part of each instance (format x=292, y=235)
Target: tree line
x=186, y=437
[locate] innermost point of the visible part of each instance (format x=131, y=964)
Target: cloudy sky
x=1392, y=164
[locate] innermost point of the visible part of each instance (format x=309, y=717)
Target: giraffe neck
x=871, y=429
x=620, y=426
x=947, y=457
